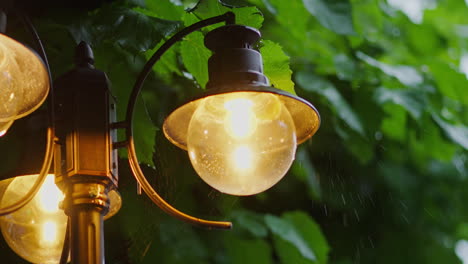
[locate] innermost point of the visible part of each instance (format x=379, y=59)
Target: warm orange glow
x=243, y=158
x=49, y=232
x=49, y=196
x=36, y=231
x=240, y=120
x=241, y=143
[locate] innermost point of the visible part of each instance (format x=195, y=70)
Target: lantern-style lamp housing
x=241, y=134
x=24, y=81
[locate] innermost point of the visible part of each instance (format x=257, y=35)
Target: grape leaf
x=335, y=15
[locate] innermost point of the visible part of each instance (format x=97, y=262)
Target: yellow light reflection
x=4, y=126
x=49, y=232
x=243, y=158
x=240, y=121
x=50, y=196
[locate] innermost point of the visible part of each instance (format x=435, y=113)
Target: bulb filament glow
x=50, y=196
x=240, y=121
x=243, y=158
x=49, y=232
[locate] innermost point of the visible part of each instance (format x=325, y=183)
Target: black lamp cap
x=235, y=60
x=232, y=36
x=84, y=55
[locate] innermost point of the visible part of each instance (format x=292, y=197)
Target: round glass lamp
x=242, y=142
x=24, y=82
x=36, y=232
x=241, y=134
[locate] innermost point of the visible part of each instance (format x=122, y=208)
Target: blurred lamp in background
x=24, y=82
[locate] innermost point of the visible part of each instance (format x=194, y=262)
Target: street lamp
x=241, y=135
x=23, y=80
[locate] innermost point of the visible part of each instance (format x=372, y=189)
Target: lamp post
x=241, y=134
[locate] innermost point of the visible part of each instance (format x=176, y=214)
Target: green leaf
x=339, y=105
x=195, y=57
x=368, y=18
x=291, y=14
x=276, y=66
x=165, y=9
x=301, y=232
x=411, y=100
x=303, y=169
x=359, y=146
x=287, y=231
x=450, y=81
x=126, y=21
x=248, y=251
x=311, y=231
x=191, y=246
x=250, y=221
x=405, y=74
x=167, y=64
x=345, y=67
x=248, y=16
x=430, y=144
x=394, y=126
x=457, y=133
x=335, y=15
x=118, y=25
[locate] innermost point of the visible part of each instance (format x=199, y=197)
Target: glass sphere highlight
x=24, y=81
x=36, y=232
x=241, y=143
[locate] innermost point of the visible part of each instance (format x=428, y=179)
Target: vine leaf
x=405, y=74
x=326, y=89
x=409, y=99
x=335, y=15
x=457, y=133
x=195, y=57
x=298, y=238
x=276, y=66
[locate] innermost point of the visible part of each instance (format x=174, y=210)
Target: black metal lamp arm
x=228, y=18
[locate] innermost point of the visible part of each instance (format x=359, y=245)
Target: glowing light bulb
x=36, y=231
x=49, y=232
x=243, y=158
x=49, y=196
x=241, y=143
x=240, y=121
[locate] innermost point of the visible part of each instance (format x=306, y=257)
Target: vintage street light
x=24, y=80
x=241, y=137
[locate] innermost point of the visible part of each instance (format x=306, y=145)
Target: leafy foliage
x=384, y=179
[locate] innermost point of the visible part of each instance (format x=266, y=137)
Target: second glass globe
x=35, y=232
x=241, y=143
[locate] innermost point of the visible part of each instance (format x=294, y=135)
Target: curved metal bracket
x=49, y=153
x=228, y=18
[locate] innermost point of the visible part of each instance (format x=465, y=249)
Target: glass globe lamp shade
x=36, y=232
x=242, y=141
x=24, y=82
